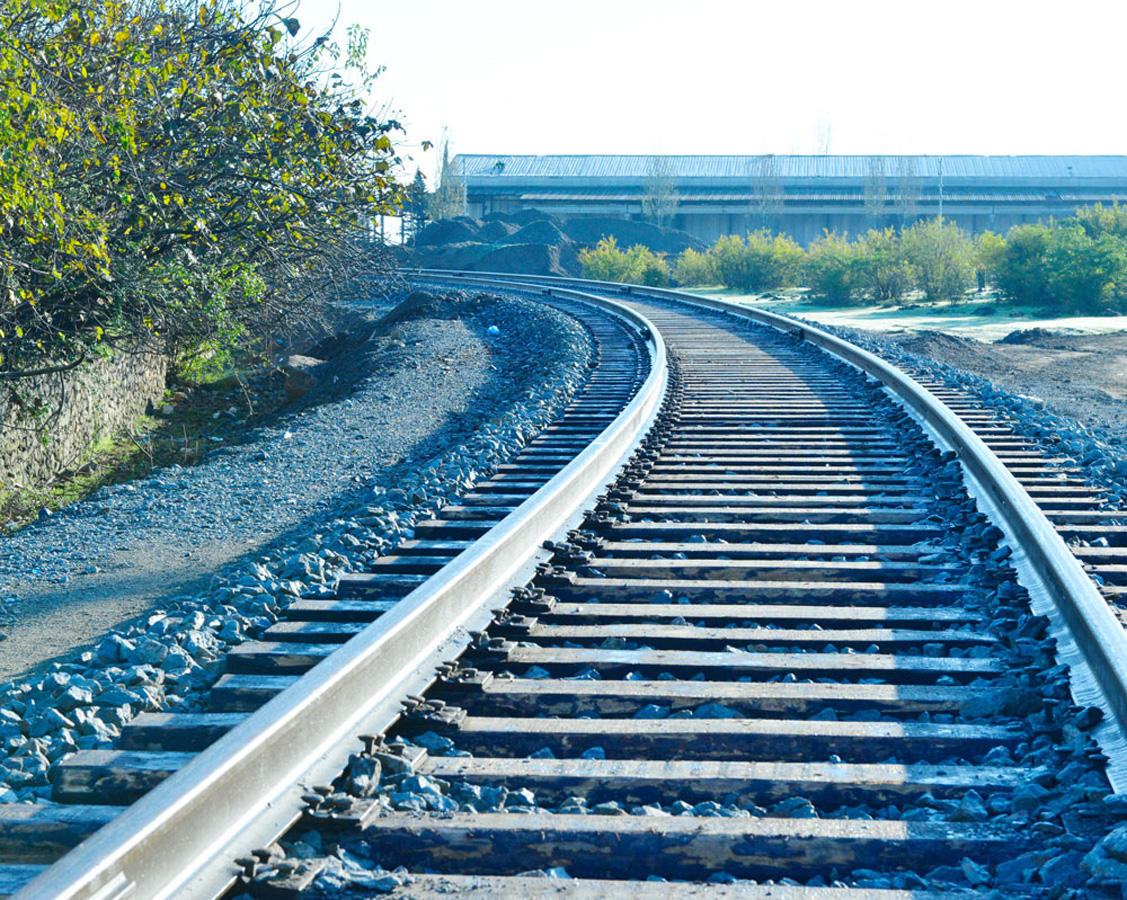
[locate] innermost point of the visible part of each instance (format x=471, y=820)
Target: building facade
x=799, y=195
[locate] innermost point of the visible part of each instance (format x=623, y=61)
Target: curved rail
x=245, y=789
x=1099, y=637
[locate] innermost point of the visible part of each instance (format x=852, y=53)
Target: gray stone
x=149, y=652
x=113, y=649
x=72, y=697
x=363, y=775
x=1107, y=861
x=302, y=374
x=51, y=720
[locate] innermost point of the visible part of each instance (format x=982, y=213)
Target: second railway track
x=783, y=655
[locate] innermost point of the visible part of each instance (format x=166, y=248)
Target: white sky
x=704, y=76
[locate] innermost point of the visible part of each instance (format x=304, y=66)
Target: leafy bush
x=694, y=269
x=1022, y=272
x=833, y=268
x=883, y=271
x=1099, y=219
x=1086, y=273
x=605, y=262
x=939, y=255
x=760, y=262
x=175, y=170
x=651, y=270
x=989, y=251
x=637, y=265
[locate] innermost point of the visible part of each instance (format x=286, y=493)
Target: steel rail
x=1099, y=637
x=245, y=789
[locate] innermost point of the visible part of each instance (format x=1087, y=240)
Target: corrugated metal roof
x=504, y=166
x=1000, y=196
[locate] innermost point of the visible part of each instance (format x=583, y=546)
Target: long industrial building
x=709, y=196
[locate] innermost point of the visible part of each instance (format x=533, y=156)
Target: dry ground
x=1083, y=376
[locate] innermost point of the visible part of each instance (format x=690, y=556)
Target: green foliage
x=834, y=268
x=760, y=262
x=939, y=255
x=1086, y=273
x=605, y=262
x=1078, y=265
x=694, y=269
x=883, y=271
x=989, y=251
x=638, y=265
x=1022, y=271
x=652, y=269
x=1099, y=219
x=415, y=206
x=177, y=171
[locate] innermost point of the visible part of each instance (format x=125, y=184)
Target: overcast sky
x=703, y=76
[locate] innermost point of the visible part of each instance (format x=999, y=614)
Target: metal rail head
x=181, y=837
x=1099, y=637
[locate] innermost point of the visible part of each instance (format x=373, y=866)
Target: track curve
x=785, y=650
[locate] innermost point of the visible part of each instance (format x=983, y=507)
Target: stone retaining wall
x=48, y=422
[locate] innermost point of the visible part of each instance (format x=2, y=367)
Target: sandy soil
x=1083, y=376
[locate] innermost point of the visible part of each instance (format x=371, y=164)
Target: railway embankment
x=196, y=560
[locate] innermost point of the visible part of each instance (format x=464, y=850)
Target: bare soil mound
x=495, y=232
x=451, y=256
x=523, y=259
x=1083, y=376
x=1038, y=336
x=539, y=232
x=627, y=233
x=523, y=217
x=446, y=231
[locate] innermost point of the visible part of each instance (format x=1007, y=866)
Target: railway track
x=783, y=654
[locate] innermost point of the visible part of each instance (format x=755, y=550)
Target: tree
x=177, y=172
x=1098, y=219
x=766, y=191
x=823, y=136
x=876, y=191
x=659, y=198
x=447, y=200
x=939, y=256
x=415, y=207
x=908, y=190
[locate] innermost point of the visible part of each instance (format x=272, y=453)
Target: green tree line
x=1076, y=265
x=178, y=170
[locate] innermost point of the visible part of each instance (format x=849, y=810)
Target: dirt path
x=128, y=548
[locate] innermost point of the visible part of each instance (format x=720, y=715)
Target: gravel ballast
x=280, y=516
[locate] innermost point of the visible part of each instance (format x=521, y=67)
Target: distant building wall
x=807, y=195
